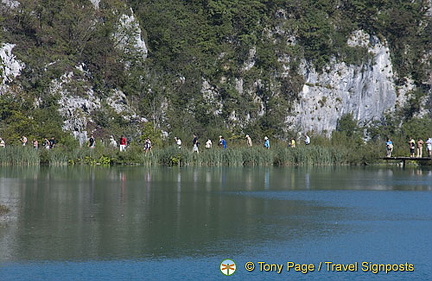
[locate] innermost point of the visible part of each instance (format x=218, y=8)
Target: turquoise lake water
x=137, y=223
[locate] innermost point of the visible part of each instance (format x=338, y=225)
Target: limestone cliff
x=367, y=90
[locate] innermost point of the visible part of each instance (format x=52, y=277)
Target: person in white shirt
x=178, y=142
x=429, y=146
x=208, y=144
x=24, y=140
x=248, y=140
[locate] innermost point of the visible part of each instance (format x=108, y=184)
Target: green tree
x=348, y=125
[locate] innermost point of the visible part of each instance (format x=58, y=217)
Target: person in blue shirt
x=389, y=147
x=222, y=142
x=266, y=143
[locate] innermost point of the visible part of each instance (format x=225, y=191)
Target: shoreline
x=278, y=156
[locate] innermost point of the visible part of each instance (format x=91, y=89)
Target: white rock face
x=429, y=12
x=358, y=38
x=76, y=109
x=119, y=103
x=211, y=96
x=95, y=3
x=10, y=3
x=365, y=91
x=80, y=136
x=10, y=67
x=128, y=37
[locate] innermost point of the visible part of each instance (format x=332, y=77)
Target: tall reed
x=18, y=156
x=57, y=157
x=278, y=155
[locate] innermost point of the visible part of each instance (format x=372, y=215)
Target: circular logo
x=228, y=267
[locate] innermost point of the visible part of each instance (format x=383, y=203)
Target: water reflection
x=307, y=181
x=135, y=212
x=267, y=179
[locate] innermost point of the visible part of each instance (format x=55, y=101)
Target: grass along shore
x=278, y=155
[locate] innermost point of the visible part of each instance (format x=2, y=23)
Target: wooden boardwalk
x=404, y=159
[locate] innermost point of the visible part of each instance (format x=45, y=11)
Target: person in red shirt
x=123, y=143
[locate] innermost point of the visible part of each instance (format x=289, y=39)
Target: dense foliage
x=193, y=41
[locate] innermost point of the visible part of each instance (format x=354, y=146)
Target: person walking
x=412, y=146
x=52, y=143
x=178, y=142
x=24, y=140
x=248, y=141
x=429, y=146
x=222, y=142
x=123, y=143
x=266, y=143
x=46, y=143
x=292, y=143
x=35, y=144
x=420, y=143
x=195, y=144
x=208, y=144
x=389, y=147
x=92, y=142
x=147, y=145
x=113, y=142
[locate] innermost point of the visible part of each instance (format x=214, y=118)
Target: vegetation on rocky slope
x=191, y=42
